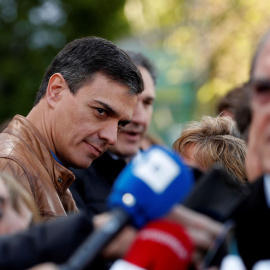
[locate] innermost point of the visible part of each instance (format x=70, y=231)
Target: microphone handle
x=95, y=242
x=222, y=238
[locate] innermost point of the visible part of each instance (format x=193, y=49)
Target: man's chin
x=125, y=148
x=128, y=154
x=82, y=164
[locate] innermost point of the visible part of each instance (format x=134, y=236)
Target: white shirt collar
x=266, y=182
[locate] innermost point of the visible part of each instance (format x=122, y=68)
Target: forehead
x=262, y=65
x=188, y=155
x=112, y=93
x=149, y=86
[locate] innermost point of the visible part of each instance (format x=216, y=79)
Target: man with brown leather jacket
x=89, y=91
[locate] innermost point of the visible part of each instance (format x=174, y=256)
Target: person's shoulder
x=11, y=138
x=14, y=168
x=10, y=166
x=8, y=142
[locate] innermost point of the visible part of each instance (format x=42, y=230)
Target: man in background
x=253, y=217
x=93, y=185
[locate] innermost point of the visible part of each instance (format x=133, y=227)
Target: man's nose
x=109, y=133
x=139, y=115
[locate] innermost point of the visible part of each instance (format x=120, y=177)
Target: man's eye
x=261, y=86
x=122, y=124
x=148, y=102
x=101, y=111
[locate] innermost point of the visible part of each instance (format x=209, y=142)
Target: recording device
x=220, y=246
x=145, y=190
x=217, y=194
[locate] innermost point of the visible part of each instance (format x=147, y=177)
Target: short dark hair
x=82, y=58
x=141, y=60
x=237, y=101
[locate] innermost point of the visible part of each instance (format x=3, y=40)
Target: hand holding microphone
x=145, y=190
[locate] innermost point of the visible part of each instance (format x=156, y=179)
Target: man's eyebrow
x=108, y=108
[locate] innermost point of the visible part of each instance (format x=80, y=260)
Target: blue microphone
x=150, y=185
x=145, y=190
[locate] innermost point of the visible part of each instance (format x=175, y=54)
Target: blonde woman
x=213, y=140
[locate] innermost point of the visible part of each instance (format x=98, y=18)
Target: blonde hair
x=19, y=194
x=215, y=139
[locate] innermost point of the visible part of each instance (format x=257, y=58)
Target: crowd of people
x=90, y=119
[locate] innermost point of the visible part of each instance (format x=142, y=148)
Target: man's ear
x=55, y=87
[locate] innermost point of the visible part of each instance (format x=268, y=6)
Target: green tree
x=33, y=31
x=212, y=42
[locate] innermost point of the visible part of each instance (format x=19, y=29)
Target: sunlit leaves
x=214, y=38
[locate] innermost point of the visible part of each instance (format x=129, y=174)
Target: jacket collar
x=32, y=138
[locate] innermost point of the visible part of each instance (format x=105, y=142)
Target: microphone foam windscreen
x=161, y=245
x=150, y=185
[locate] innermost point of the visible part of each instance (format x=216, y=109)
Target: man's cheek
x=266, y=161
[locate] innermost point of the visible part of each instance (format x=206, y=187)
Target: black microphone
x=217, y=194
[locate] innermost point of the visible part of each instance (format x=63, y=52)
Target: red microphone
x=159, y=245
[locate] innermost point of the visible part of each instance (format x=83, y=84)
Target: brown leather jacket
x=26, y=155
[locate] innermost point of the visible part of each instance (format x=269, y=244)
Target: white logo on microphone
x=157, y=170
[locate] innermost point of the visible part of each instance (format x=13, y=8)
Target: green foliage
x=212, y=42
x=32, y=32
x=202, y=48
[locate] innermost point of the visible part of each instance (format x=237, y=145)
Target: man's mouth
x=96, y=151
x=99, y=150
x=132, y=135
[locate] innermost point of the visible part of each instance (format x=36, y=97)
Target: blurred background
x=201, y=48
